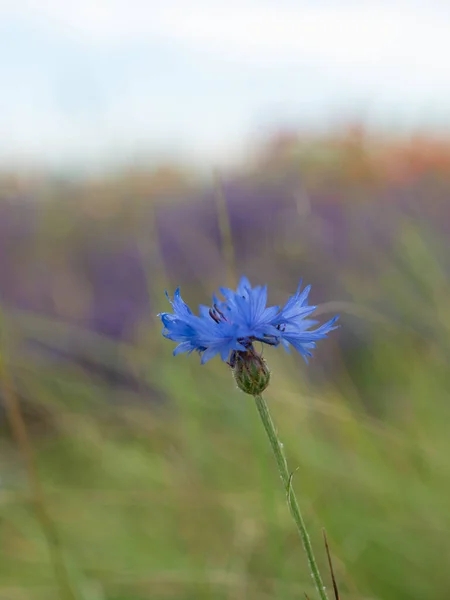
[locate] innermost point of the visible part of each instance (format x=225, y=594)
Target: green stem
x=286, y=477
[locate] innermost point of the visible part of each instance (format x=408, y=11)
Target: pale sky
x=107, y=80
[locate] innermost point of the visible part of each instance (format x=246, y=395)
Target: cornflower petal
x=305, y=340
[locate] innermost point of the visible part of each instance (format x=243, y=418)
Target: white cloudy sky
x=93, y=81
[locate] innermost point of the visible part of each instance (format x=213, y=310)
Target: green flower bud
x=250, y=371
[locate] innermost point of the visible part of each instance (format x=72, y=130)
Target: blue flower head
x=230, y=326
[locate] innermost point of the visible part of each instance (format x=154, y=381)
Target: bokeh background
x=145, y=147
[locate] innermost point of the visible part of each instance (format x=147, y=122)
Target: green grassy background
x=181, y=499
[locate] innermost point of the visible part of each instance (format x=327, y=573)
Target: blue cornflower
x=230, y=326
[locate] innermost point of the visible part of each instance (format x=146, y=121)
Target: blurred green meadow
x=156, y=473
